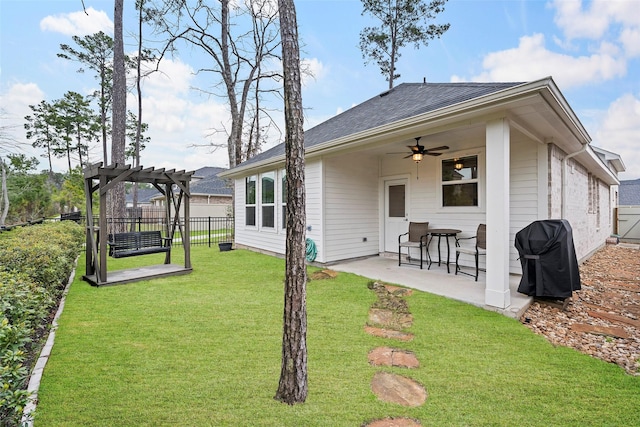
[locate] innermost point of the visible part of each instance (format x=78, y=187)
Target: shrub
x=35, y=263
x=45, y=253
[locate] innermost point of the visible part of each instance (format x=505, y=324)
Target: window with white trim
x=268, y=181
x=460, y=181
x=250, y=200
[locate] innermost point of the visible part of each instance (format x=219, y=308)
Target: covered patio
x=436, y=281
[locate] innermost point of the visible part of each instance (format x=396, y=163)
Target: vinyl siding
x=313, y=188
x=524, y=192
x=351, y=207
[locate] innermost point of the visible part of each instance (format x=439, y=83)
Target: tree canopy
x=402, y=22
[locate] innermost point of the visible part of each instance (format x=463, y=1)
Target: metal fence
x=203, y=230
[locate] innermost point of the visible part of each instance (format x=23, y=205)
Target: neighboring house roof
x=403, y=101
x=211, y=183
x=203, y=181
x=144, y=195
x=629, y=193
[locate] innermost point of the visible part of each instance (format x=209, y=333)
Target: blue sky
x=590, y=48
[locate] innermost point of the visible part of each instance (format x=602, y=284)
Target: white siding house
x=509, y=154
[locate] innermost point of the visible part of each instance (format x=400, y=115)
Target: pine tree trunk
x=4, y=203
x=119, y=126
x=293, y=386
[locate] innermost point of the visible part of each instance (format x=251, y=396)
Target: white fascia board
x=594, y=164
x=559, y=104
x=270, y=164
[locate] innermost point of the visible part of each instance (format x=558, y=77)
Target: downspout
x=564, y=178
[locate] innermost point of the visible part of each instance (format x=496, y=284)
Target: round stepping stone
x=387, y=356
x=394, y=422
x=394, y=388
x=388, y=333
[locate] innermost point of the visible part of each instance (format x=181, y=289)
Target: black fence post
x=209, y=232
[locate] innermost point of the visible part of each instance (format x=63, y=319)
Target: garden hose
x=311, y=250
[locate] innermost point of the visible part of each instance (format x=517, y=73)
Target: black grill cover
x=548, y=258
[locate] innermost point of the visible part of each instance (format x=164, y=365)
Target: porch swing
x=122, y=244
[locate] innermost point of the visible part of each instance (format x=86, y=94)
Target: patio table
x=441, y=232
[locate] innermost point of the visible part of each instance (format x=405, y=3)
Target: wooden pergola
x=174, y=185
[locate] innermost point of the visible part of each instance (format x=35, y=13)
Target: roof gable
x=403, y=101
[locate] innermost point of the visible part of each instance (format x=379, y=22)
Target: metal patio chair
x=479, y=249
x=416, y=238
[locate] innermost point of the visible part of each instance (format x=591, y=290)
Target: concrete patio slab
x=436, y=281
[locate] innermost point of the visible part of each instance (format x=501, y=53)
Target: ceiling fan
x=418, y=151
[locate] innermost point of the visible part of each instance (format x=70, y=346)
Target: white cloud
x=315, y=70
x=579, y=23
x=78, y=23
x=19, y=96
x=173, y=76
x=14, y=104
x=180, y=122
x=619, y=131
x=617, y=19
x=531, y=60
x=630, y=39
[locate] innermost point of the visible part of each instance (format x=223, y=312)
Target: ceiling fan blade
x=443, y=147
x=429, y=153
x=406, y=157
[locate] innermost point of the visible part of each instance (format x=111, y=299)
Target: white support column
x=497, y=292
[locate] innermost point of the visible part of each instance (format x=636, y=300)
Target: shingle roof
x=144, y=195
x=211, y=183
x=403, y=101
x=629, y=193
x=204, y=181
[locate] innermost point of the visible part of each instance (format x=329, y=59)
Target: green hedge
x=35, y=263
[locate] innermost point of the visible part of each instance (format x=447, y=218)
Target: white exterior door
x=396, y=216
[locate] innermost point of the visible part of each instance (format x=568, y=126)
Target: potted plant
x=224, y=246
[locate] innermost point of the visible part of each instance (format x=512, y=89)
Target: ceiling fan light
x=417, y=157
x=459, y=165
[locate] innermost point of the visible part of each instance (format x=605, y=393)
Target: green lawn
x=204, y=350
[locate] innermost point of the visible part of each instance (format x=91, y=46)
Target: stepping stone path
x=388, y=318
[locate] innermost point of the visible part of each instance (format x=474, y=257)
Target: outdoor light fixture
x=459, y=165
x=417, y=157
